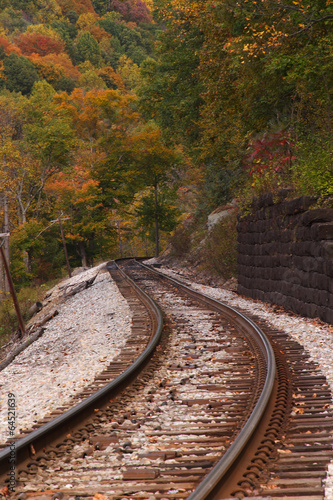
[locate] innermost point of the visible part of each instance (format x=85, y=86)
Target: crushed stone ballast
x=86, y=334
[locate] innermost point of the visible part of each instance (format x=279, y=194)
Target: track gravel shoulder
x=78, y=343
x=314, y=335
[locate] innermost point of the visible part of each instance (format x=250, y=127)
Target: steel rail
x=23, y=444
x=231, y=455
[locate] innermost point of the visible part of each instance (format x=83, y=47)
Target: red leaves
x=36, y=43
x=272, y=152
x=133, y=11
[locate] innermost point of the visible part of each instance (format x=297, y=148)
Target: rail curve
x=37, y=437
x=222, y=467
x=237, y=472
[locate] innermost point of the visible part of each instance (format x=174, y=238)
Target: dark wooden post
x=11, y=288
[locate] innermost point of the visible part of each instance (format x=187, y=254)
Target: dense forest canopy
x=124, y=116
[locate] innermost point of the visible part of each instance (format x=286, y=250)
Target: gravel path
x=87, y=334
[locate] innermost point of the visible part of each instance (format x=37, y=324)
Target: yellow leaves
x=86, y=20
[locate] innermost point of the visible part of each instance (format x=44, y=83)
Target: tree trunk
x=83, y=254
x=5, y=284
x=65, y=248
x=157, y=236
x=119, y=239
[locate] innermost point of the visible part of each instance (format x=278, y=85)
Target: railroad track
x=176, y=430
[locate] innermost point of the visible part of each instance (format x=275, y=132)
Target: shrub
x=181, y=241
x=313, y=173
x=220, y=252
x=26, y=298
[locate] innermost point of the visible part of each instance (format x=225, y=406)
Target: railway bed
x=161, y=435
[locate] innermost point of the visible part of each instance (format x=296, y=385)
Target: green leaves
x=48, y=129
x=87, y=49
x=19, y=74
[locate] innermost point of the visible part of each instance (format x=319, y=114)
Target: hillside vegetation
x=126, y=118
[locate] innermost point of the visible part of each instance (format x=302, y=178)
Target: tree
x=156, y=211
x=19, y=74
x=37, y=43
x=152, y=162
x=77, y=6
x=87, y=49
x=132, y=11
x=8, y=47
x=37, y=141
x=127, y=39
x=49, y=133
x=88, y=230
x=91, y=80
x=12, y=20
x=11, y=120
x=171, y=90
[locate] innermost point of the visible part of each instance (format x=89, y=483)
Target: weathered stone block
x=322, y=298
x=328, y=316
x=311, y=310
x=299, y=205
x=319, y=281
x=317, y=215
x=286, y=235
x=328, y=249
x=303, y=233
x=323, y=313
x=322, y=231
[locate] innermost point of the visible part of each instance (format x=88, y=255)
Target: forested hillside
x=73, y=141
x=246, y=86
x=124, y=117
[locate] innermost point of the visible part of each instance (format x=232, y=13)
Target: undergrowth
x=213, y=251
x=26, y=298
x=220, y=248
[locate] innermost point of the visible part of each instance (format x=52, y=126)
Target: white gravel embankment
x=316, y=337
x=78, y=343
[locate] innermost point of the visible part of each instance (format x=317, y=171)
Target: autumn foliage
x=132, y=10
x=78, y=6
x=9, y=47
x=110, y=108
x=36, y=43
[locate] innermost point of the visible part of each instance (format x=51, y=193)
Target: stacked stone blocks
x=285, y=255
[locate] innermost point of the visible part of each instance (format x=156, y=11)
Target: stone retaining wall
x=285, y=256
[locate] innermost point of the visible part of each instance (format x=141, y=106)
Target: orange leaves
x=99, y=117
x=8, y=46
x=79, y=6
x=46, y=69
x=89, y=22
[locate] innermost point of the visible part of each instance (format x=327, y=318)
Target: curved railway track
x=182, y=421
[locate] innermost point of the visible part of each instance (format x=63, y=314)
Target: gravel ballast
x=78, y=343
x=314, y=335
x=91, y=328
